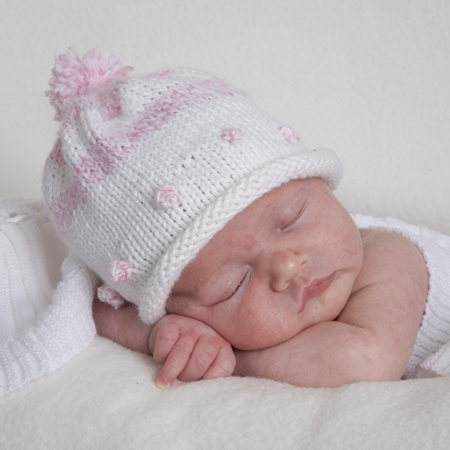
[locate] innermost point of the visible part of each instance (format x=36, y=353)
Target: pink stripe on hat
x=105, y=152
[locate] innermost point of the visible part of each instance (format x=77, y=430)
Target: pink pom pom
x=74, y=77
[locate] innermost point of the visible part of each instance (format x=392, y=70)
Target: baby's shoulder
x=389, y=257
x=376, y=240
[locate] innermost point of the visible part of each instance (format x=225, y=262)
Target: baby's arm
x=374, y=335
x=189, y=349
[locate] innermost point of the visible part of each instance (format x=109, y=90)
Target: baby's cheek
x=255, y=331
x=242, y=333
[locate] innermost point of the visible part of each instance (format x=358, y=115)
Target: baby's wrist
x=122, y=326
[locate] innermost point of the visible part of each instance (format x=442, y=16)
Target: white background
x=368, y=78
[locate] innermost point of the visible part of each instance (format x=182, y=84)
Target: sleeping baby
x=220, y=245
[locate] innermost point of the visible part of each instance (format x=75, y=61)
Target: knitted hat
x=147, y=169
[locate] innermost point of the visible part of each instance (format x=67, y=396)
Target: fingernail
x=163, y=384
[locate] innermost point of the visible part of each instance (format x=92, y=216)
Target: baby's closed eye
x=293, y=220
x=239, y=285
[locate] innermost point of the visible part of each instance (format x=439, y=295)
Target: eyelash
x=238, y=286
x=291, y=222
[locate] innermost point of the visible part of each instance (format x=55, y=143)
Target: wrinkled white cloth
x=43, y=323
x=431, y=353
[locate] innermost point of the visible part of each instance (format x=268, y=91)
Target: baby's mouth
x=317, y=286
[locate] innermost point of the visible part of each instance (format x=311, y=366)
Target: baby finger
x=163, y=340
x=201, y=359
x=223, y=365
x=175, y=362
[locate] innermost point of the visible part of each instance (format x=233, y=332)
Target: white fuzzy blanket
x=105, y=398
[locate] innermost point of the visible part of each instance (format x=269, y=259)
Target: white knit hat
x=147, y=169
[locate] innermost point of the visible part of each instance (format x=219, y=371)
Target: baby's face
x=288, y=261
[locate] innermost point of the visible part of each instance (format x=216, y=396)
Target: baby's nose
x=285, y=266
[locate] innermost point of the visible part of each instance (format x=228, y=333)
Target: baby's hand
x=189, y=350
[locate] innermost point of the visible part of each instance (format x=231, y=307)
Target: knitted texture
x=43, y=324
x=147, y=169
x=431, y=353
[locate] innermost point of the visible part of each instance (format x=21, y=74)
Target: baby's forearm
x=328, y=354
x=122, y=326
